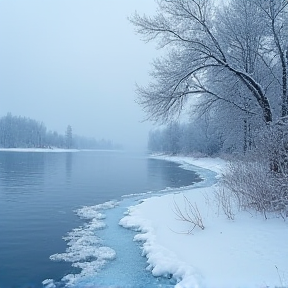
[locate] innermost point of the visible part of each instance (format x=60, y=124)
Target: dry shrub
x=259, y=180
x=255, y=186
x=225, y=200
x=190, y=213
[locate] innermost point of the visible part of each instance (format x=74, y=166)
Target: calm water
x=40, y=191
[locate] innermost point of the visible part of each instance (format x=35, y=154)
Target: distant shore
x=37, y=150
x=53, y=149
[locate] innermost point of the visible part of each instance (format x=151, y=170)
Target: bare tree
x=276, y=16
x=237, y=49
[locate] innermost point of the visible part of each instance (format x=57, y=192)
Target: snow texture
x=85, y=250
x=248, y=252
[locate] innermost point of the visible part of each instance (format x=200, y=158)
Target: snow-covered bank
x=246, y=252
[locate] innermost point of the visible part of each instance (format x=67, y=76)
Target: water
x=40, y=191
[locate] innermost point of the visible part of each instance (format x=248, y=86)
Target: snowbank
x=246, y=252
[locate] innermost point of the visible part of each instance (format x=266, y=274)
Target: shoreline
x=47, y=150
x=55, y=150
x=226, y=254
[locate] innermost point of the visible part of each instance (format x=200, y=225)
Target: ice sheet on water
x=49, y=283
x=93, y=212
x=158, y=192
x=85, y=250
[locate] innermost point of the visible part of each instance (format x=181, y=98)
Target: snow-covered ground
x=247, y=252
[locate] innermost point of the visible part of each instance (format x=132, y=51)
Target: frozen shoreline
x=246, y=252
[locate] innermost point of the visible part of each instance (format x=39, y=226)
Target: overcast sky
x=75, y=62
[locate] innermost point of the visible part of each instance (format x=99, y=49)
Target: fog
x=75, y=62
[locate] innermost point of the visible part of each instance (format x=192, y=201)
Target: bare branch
x=190, y=214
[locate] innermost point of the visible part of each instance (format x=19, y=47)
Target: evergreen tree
x=69, y=137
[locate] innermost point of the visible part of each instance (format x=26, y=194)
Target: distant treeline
x=23, y=132
x=185, y=138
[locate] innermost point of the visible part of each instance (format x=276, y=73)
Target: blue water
x=39, y=193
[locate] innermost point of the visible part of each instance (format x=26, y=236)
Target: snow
x=85, y=249
x=104, y=252
x=247, y=252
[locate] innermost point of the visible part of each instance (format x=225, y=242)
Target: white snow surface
x=247, y=252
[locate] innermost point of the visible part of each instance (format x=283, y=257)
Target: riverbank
x=247, y=251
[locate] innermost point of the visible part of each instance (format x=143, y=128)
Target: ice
x=92, y=212
x=85, y=249
x=49, y=283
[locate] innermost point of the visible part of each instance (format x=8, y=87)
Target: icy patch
x=132, y=195
x=49, y=283
x=91, y=212
x=174, y=190
x=85, y=250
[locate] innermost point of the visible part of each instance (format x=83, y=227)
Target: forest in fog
x=23, y=132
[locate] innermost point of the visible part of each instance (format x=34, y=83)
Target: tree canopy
x=234, y=55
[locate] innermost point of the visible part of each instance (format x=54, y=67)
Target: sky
x=76, y=62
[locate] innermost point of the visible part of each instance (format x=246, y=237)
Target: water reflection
x=40, y=191
x=170, y=174
x=21, y=173
x=68, y=170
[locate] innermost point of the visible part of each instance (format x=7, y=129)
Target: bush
x=260, y=179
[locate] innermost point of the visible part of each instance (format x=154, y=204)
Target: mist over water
x=39, y=193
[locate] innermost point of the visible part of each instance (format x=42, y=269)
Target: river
x=40, y=191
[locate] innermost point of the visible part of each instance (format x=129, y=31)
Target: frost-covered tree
x=196, y=137
x=172, y=138
x=232, y=55
x=258, y=50
x=230, y=63
x=69, y=137
x=17, y=131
